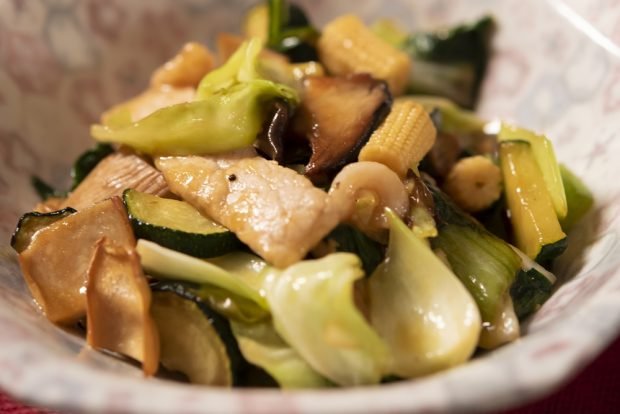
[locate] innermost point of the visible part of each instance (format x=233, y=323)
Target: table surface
x=594, y=390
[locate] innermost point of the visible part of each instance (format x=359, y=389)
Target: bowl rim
x=561, y=358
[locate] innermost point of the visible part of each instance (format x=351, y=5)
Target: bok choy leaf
x=261, y=345
x=420, y=308
x=313, y=310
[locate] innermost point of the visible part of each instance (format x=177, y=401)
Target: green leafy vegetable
x=336, y=342
x=485, y=264
x=87, y=161
x=313, y=310
x=451, y=63
x=389, y=31
x=261, y=345
x=578, y=197
x=44, y=190
x=351, y=240
x=228, y=113
x=290, y=31
x=428, y=319
x=236, y=294
x=530, y=290
x=454, y=120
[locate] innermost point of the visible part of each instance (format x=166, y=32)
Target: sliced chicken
x=112, y=176
x=273, y=209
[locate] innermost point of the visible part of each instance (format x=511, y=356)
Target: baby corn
x=348, y=46
x=474, y=183
x=403, y=139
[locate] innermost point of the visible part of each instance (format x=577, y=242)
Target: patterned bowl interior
x=555, y=69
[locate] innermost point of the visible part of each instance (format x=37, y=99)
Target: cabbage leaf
x=231, y=106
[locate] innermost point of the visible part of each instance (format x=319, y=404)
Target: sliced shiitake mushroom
x=443, y=155
x=270, y=140
x=337, y=116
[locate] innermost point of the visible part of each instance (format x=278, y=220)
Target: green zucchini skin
x=220, y=324
x=529, y=291
x=536, y=228
x=32, y=222
x=198, y=244
x=550, y=251
x=88, y=161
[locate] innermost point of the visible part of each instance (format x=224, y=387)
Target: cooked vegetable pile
x=288, y=212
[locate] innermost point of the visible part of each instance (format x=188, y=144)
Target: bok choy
x=261, y=345
x=451, y=63
x=420, y=308
x=336, y=341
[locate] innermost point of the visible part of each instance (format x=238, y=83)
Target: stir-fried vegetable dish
x=308, y=207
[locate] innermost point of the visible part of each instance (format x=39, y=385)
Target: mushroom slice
x=112, y=176
x=337, y=115
x=118, y=300
x=56, y=261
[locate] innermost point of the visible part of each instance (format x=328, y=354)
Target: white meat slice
x=273, y=209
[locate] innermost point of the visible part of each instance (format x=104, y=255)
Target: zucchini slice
x=177, y=225
x=30, y=223
x=195, y=340
x=544, y=155
x=534, y=221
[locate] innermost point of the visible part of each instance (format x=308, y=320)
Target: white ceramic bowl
x=555, y=69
